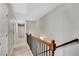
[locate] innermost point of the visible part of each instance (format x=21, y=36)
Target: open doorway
x=20, y=35
x=21, y=30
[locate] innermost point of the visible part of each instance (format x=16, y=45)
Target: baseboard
x=11, y=51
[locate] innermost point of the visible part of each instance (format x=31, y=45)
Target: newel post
x=53, y=47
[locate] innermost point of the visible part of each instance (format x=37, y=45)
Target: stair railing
x=41, y=47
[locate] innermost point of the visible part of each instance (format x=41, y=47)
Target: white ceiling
x=32, y=11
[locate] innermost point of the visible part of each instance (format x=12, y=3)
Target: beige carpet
x=21, y=49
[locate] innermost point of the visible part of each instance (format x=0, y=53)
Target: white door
x=3, y=36
x=21, y=30
x=10, y=37
x=3, y=32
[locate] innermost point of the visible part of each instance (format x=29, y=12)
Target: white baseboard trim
x=11, y=51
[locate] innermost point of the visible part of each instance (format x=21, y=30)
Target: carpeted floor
x=21, y=49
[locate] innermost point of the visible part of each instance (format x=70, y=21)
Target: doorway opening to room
x=21, y=30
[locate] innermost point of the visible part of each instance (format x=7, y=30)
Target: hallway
x=22, y=48
x=44, y=26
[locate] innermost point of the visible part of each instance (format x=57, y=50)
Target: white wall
x=61, y=25
x=6, y=31
x=3, y=30
x=31, y=27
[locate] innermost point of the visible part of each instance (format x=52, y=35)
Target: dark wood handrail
x=75, y=40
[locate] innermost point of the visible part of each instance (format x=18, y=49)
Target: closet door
x=10, y=36
x=3, y=31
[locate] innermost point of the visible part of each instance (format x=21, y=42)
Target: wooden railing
x=41, y=47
